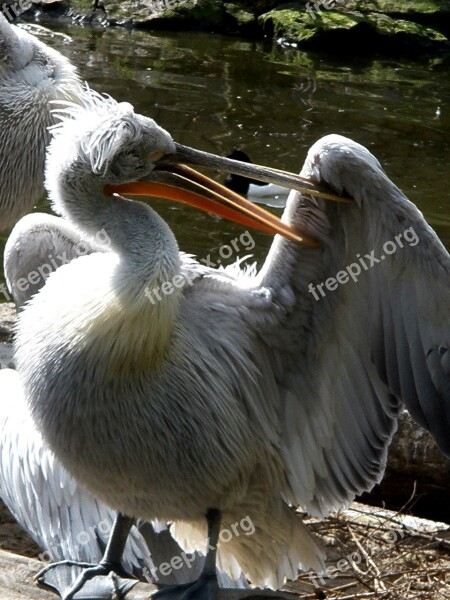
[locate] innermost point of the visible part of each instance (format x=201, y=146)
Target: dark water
x=218, y=93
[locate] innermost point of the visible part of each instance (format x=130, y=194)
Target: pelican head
x=101, y=142
x=103, y=145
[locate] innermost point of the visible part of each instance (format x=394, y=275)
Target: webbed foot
x=206, y=588
x=83, y=581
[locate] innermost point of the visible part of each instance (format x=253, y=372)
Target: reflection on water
x=219, y=93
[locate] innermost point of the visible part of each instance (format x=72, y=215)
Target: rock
x=344, y=28
x=379, y=25
x=239, y=19
x=157, y=14
x=416, y=7
x=7, y=320
x=6, y=356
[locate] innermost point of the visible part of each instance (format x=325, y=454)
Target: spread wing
x=366, y=326
x=324, y=344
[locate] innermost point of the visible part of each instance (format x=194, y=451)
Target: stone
x=319, y=27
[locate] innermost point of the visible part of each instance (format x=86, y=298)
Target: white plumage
x=65, y=520
x=33, y=77
x=244, y=395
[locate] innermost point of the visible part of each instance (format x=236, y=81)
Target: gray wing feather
x=38, y=244
x=343, y=362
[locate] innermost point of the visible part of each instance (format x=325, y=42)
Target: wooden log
x=17, y=578
x=417, y=474
x=17, y=582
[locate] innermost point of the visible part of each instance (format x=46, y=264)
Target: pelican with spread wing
x=232, y=397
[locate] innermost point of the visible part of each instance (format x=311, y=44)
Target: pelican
x=32, y=77
x=231, y=397
x=63, y=518
x=269, y=194
x=37, y=245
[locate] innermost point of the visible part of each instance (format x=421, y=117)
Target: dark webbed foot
x=107, y=580
x=204, y=589
x=83, y=581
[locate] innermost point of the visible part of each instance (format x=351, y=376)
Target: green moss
x=80, y=5
x=408, y=7
x=195, y=14
x=297, y=25
x=391, y=27
x=241, y=16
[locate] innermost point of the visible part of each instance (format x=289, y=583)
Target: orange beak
x=175, y=181
x=185, y=185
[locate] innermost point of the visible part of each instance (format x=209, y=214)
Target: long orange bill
x=188, y=155
x=190, y=187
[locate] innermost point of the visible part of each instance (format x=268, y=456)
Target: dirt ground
x=13, y=537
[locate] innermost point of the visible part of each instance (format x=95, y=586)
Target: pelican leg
x=206, y=587
x=97, y=5
x=73, y=580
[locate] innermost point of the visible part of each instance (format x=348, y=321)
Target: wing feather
x=344, y=360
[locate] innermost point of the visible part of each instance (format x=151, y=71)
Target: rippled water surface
x=218, y=93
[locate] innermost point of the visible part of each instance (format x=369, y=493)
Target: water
x=218, y=93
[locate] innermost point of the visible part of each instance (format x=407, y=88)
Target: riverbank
x=411, y=27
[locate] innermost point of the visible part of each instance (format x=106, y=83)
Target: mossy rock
x=197, y=14
x=241, y=16
x=256, y=7
x=240, y=21
x=405, y=7
x=408, y=31
x=347, y=28
x=294, y=24
x=169, y=13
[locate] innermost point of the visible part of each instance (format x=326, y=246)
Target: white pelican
x=232, y=397
x=269, y=194
x=63, y=518
x=32, y=77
